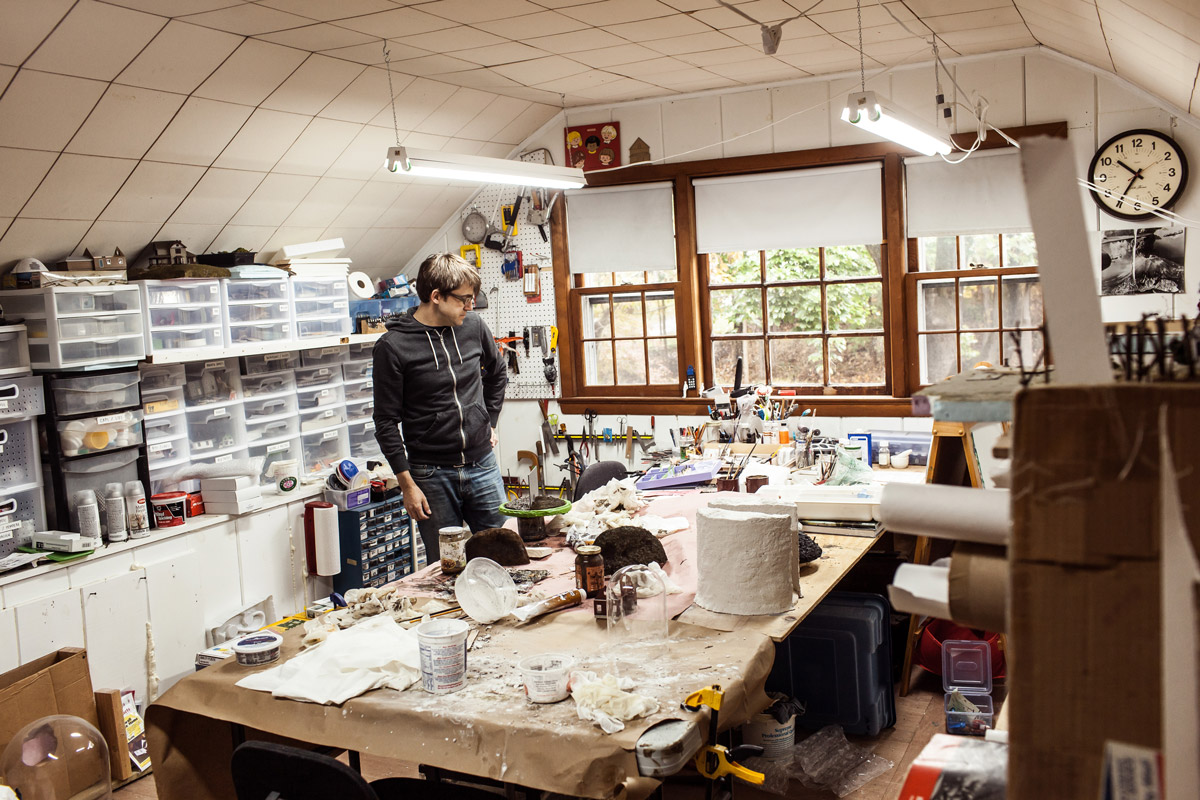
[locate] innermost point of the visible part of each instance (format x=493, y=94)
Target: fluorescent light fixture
x=863, y=110
x=309, y=248
x=480, y=169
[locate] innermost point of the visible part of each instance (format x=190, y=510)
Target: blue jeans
x=472, y=493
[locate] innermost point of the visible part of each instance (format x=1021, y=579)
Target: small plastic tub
x=443, y=651
x=546, y=676
x=170, y=509
x=257, y=648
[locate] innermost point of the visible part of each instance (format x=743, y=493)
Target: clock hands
x=1136, y=172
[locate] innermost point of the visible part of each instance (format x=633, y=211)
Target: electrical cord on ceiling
x=772, y=33
x=387, y=60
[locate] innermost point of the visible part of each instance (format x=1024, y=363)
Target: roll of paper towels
x=321, y=538
x=947, y=512
x=361, y=285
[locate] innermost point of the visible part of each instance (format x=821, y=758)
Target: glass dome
x=637, y=616
x=56, y=758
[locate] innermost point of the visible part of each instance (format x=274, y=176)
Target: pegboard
x=508, y=308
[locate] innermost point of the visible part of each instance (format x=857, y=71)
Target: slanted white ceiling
x=230, y=123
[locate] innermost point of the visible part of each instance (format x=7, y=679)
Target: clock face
x=1136, y=171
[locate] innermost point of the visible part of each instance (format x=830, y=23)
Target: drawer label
x=108, y=419
x=278, y=447
x=3, y=404
x=283, y=307
x=5, y=535
x=220, y=412
x=329, y=435
x=214, y=364
x=276, y=356
x=158, y=448
x=5, y=527
x=223, y=459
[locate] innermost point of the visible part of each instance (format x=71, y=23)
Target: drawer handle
x=8, y=506
x=106, y=317
x=3, y=436
x=10, y=392
x=108, y=340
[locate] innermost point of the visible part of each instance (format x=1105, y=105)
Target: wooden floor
x=918, y=717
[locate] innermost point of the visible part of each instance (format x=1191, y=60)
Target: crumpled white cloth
x=606, y=702
x=668, y=585
x=374, y=653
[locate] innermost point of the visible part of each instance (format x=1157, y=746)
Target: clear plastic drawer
x=328, y=326
x=360, y=410
x=254, y=332
x=98, y=434
x=209, y=382
x=108, y=350
x=168, y=452
x=165, y=426
x=269, y=430
x=324, y=449
x=320, y=418
x=214, y=429
x=308, y=377
x=268, y=383
x=324, y=356
x=95, y=299
x=98, y=325
x=358, y=390
x=357, y=370
x=320, y=397
x=269, y=311
x=258, y=410
x=162, y=339
x=321, y=307
x=269, y=362
x=191, y=316
x=161, y=376
x=238, y=290
x=319, y=288
x=88, y=394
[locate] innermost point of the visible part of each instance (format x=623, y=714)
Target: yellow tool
x=715, y=761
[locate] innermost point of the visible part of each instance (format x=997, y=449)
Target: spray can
x=137, y=513
x=87, y=513
x=114, y=512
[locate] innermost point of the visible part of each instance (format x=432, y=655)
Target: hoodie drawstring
x=452, y=333
x=436, y=365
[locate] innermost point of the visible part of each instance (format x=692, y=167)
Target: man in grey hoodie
x=439, y=385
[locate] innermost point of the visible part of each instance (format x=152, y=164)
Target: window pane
x=937, y=252
x=598, y=364
x=629, y=278
x=978, y=347
x=794, y=265
x=856, y=360
x=794, y=309
x=981, y=251
x=725, y=355
x=977, y=304
x=1019, y=250
x=596, y=315
x=858, y=261
x=740, y=267
x=631, y=362
x=796, y=362
x=596, y=279
x=935, y=306
x=1022, y=301
x=736, y=311
x=627, y=315
x=1031, y=350
x=664, y=361
x=939, y=357
x=661, y=276
x=854, y=306
x=660, y=315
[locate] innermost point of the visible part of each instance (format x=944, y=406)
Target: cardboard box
x=112, y=725
x=56, y=683
x=231, y=484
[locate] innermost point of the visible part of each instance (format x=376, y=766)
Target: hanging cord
x=862, y=59
x=387, y=59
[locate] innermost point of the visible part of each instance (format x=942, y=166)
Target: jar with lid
x=452, y=542
x=589, y=570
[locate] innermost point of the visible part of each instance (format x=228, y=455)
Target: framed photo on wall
x=594, y=146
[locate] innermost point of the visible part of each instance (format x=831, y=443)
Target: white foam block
x=767, y=505
x=742, y=562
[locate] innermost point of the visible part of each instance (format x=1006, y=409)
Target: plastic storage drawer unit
x=324, y=356
x=272, y=430
x=90, y=394
x=182, y=314
x=323, y=449
x=320, y=307
x=80, y=326
x=269, y=384
x=215, y=430
x=376, y=545
x=307, y=377
x=210, y=382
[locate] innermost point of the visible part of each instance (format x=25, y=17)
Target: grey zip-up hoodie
x=438, y=392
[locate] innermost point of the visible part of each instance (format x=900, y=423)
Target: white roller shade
x=984, y=194
x=622, y=228
x=824, y=206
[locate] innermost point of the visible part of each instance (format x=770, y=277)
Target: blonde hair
x=445, y=272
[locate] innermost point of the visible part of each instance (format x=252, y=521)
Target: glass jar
x=452, y=542
x=589, y=570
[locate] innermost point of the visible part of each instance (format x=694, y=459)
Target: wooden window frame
x=691, y=290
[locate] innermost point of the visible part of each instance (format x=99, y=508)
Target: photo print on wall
x=1142, y=261
x=592, y=147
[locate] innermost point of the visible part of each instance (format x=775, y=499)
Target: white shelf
x=258, y=348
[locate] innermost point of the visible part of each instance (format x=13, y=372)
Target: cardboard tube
x=979, y=586
x=947, y=512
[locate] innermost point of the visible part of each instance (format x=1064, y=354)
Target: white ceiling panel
x=369, y=204
x=374, y=249
x=321, y=36
x=26, y=24
x=199, y=132
x=691, y=43
x=505, y=53
x=313, y=85
x=326, y=200
x=318, y=147
x=125, y=122
x=248, y=19
x=6, y=75
x=251, y=237
x=289, y=235
x=434, y=66
x=48, y=240
x=325, y=11
x=611, y=56
x=105, y=237
x=78, y=187
x=251, y=73
x=153, y=192
x=27, y=120
x=179, y=58
x=365, y=97
x=576, y=41
x=540, y=70
x=528, y=26
x=662, y=28
x=262, y=141
x=447, y=40
x=23, y=170
x=218, y=195
x=409, y=204
x=176, y=8
x=274, y=199
x=71, y=49
x=471, y=12
x=614, y=12
x=415, y=103
x=458, y=110
x=396, y=23
x=425, y=141
x=364, y=158
x=495, y=117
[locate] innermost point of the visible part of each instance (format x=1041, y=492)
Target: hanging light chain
x=862, y=67
x=387, y=59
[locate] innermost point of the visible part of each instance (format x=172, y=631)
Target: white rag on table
x=375, y=653
x=604, y=701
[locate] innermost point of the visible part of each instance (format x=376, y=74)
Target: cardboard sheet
x=979, y=586
x=487, y=729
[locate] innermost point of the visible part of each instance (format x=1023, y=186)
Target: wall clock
x=1138, y=170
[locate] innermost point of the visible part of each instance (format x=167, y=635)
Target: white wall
x=1021, y=88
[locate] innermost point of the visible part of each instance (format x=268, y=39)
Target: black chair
x=269, y=771
x=598, y=474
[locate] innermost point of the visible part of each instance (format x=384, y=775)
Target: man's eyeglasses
x=468, y=300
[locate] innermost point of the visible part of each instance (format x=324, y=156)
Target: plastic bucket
x=776, y=738
x=546, y=676
x=443, y=646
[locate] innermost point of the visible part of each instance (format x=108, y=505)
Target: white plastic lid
x=257, y=642
x=967, y=666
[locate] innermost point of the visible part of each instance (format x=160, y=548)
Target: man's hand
x=495, y=438
x=414, y=499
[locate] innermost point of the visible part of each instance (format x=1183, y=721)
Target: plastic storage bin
x=106, y=351
x=322, y=450
x=255, y=290
x=182, y=314
x=93, y=472
x=21, y=398
x=20, y=465
x=269, y=362
x=181, y=292
x=22, y=511
x=209, y=382
x=273, y=452
x=255, y=332
x=170, y=425
x=79, y=326
x=14, y=350
x=268, y=311
x=360, y=409
x=269, y=408
x=320, y=397
x=362, y=440
x=358, y=370
x=321, y=418
x=307, y=377
x=168, y=452
x=91, y=393
x=161, y=376
x=358, y=390
x=324, y=356
x=86, y=435
x=272, y=430
x=215, y=430
x=360, y=350
x=967, y=671
x=269, y=384
x=326, y=326
x=84, y=327
x=320, y=307
x=163, y=401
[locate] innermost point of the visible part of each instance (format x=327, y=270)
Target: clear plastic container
x=321, y=418
x=268, y=430
x=360, y=409
x=269, y=384
x=161, y=376
x=168, y=452
x=165, y=426
x=267, y=408
x=215, y=381
x=88, y=394
x=223, y=457
x=269, y=362
x=360, y=351
x=94, y=299
x=98, y=434
x=103, y=350
x=95, y=472
x=215, y=429
x=183, y=292
x=362, y=440
x=967, y=678
x=322, y=450
x=188, y=316
x=255, y=290
x=357, y=370
x=358, y=390
x=326, y=326
x=324, y=356
x=163, y=401
x=307, y=377
x=319, y=288
x=321, y=307
x=268, y=311
x=254, y=332
x=320, y=397
x=165, y=339
x=99, y=325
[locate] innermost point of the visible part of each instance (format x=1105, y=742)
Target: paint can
x=170, y=509
x=443, y=648
x=777, y=739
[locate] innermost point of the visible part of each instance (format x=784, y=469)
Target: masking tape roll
x=361, y=285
